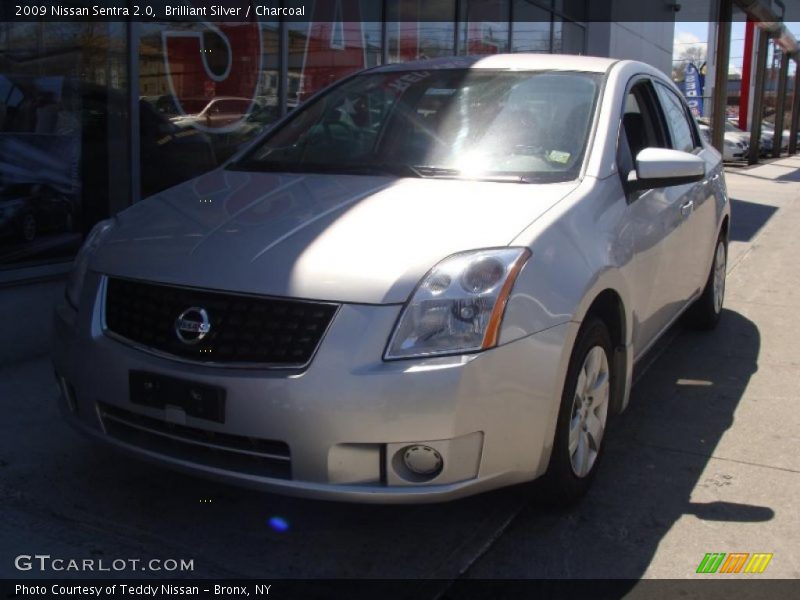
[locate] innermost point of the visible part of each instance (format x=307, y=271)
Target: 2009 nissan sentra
x=430, y=280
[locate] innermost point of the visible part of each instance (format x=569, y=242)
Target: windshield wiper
x=398, y=170
x=395, y=169
x=446, y=173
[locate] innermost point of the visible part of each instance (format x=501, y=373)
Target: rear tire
x=707, y=309
x=582, y=417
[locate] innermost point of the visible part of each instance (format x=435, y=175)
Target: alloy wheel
x=589, y=411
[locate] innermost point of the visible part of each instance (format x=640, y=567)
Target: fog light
x=422, y=460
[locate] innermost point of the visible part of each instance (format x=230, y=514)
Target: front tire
x=707, y=309
x=582, y=417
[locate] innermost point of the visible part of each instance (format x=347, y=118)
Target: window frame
x=697, y=144
x=652, y=109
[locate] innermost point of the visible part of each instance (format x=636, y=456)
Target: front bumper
x=344, y=420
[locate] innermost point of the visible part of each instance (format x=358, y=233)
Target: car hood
x=346, y=238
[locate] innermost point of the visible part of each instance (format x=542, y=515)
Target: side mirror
x=662, y=167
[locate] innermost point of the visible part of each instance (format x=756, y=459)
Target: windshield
x=524, y=126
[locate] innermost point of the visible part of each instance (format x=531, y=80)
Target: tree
x=695, y=53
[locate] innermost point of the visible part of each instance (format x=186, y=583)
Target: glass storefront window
x=204, y=92
x=63, y=135
x=341, y=38
x=568, y=37
x=483, y=27
x=420, y=29
x=70, y=114
x=573, y=9
x=531, y=27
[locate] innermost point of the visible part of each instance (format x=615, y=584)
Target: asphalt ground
x=704, y=460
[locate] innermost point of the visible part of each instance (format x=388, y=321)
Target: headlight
x=81, y=264
x=458, y=305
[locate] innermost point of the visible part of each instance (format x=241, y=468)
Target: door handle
x=687, y=207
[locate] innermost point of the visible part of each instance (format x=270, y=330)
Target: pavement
x=704, y=460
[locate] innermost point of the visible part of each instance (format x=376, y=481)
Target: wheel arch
x=608, y=305
x=724, y=228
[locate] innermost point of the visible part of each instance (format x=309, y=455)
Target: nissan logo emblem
x=192, y=325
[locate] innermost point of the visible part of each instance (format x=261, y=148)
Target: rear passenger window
x=680, y=128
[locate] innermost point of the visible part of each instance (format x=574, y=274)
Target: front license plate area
x=196, y=399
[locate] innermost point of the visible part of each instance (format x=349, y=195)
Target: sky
x=689, y=34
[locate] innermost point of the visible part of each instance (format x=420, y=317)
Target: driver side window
x=641, y=127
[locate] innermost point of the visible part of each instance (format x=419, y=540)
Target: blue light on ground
x=279, y=524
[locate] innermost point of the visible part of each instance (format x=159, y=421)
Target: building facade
x=95, y=116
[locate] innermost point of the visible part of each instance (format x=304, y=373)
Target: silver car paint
x=304, y=235
x=366, y=242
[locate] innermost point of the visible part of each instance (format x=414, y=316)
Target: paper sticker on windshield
x=558, y=156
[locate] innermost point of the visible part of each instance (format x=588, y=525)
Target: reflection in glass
x=204, y=93
x=483, y=27
x=574, y=9
x=341, y=38
x=439, y=123
x=62, y=135
x=420, y=29
x=531, y=28
x=568, y=37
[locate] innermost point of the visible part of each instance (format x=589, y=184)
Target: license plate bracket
x=198, y=400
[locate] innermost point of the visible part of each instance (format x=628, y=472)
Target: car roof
x=521, y=61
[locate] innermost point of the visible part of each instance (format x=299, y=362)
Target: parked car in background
x=432, y=280
x=225, y=122
x=227, y=143
x=736, y=143
x=217, y=113
x=29, y=209
x=768, y=131
x=765, y=148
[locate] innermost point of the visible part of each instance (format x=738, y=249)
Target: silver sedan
x=430, y=280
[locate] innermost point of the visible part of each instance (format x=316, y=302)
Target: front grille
x=244, y=329
x=265, y=458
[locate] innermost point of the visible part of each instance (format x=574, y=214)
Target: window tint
x=640, y=129
x=444, y=122
x=640, y=121
x=680, y=128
